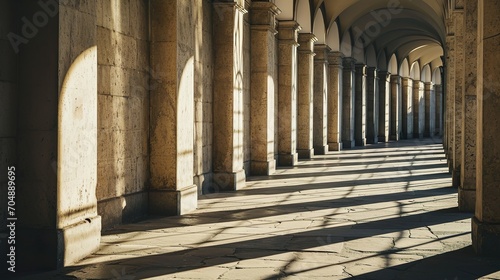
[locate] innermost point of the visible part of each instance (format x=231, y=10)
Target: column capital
x=230, y=3
x=321, y=51
x=395, y=79
x=263, y=15
x=361, y=69
x=383, y=74
x=306, y=42
x=349, y=63
x=336, y=58
x=372, y=72
x=288, y=32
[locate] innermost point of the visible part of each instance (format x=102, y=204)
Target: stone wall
x=124, y=80
x=246, y=93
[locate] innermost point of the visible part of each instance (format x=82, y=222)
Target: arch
x=358, y=50
x=404, y=69
x=436, y=76
x=286, y=7
x=303, y=15
x=426, y=74
x=392, y=66
x=415, y=71
x=319, y=27
x=346, y=45
x=382, y=61
x=332, y=37
x=371, y=56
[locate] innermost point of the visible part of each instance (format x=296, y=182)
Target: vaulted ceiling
x=409, y=29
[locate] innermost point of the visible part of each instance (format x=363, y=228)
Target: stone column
x=262, y=87
x=384, y=95
x=450, y=96
x=320, y=93
x=372, y=101
x=305, y=95
x=418, y=109
x=408, y=108
x=287, y=92
x=438, y=95
x=396, y=111
x=486, y=222
x=467, y=188
x=360, y=105
x=459, y=86
x=430, y=105
x=228, y=97
x=172, y=191
x=348, y=94
x=335, y=101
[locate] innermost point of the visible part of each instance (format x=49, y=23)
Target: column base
x=485, y=238
x=262, y=168
x=383, y=139
x=418, y=136
x=223, y=182
x=306, y=154
x=204, y=182
x=288, y=159
x=361, y=142
x=173, y=202
x=466, y=200
x=335, y=146
x=394, y=137
x=348, y=144
x=372, y=140
x=321, y=150
x=77, y=241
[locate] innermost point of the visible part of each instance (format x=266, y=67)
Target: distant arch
x=333, y=37
x=346, y=45
x=319, y=27
x=303, y=15
x=404, y=69
x=415, y=71
x=392, y=66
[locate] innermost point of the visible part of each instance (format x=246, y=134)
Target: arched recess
x=371, y=56
x=286, y=7
x=319, y=27
x=303, y=15
x=415, y=71
x=392, y=66
x=436, y=76
x=404, y=69
x=346, y=45
x=426, y=76
x=332, y=37
x=358, y=50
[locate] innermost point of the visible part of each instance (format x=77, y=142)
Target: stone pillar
x=430, y=107
x=320, y=94
x=467, y=188
x=372, y=101
x=360, y=105
x=418, y=109
x=305, y=95
x=438, y=94
x=450, y=96
x=459, y=86
x=396, y=111
x=486, y=222
x=228, y=97
x=408, y=108
x=172, y=191
x=348, y=94
x=287, y=92
x=262, y=87
x=335, y=101
x=384, y=95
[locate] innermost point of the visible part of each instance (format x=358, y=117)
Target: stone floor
x=385, y=211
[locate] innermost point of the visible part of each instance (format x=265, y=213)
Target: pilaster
x=407, y=105
x=305, y=95
x=395, y=127
x=348, y=94
x=459, y=92
x=384, y=112
x=430, y=107
x=372, y=105
x=262, y=87
x=287, y=92
x=418, y=109
x=228, y=97
x=320, y=96
x=360, y=105
x=335, y=60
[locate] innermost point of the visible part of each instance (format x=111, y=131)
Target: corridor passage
x=385, y=211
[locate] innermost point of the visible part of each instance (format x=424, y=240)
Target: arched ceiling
x=410, y=29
